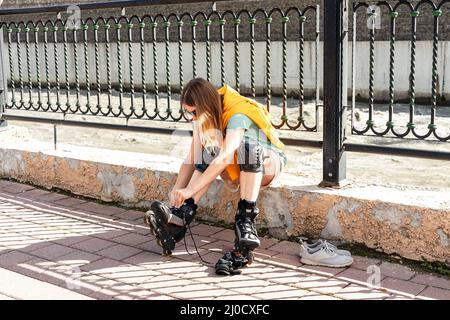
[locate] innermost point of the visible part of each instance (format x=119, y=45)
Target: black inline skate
x=169, y=225
x=246, y=240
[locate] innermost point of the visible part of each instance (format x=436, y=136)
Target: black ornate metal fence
x=80, y=72
x=392, y=11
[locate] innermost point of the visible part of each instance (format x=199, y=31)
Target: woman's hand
x=172, y=198
x=178, y=196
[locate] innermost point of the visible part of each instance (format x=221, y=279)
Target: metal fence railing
x=392, y=119
x=135, y=66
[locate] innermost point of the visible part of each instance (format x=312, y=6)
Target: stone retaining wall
x=380, y=218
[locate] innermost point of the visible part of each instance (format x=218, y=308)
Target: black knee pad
x=250, y=156
x=208, y=155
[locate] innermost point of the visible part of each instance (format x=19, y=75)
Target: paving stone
x=105, y=266
x=78, y=258
x=140, y=229
x=70, y=202
x=52, y=197
x=34, y=194
x=193, y=291
x=70, y=239
x=13, y=258
x=52, y=251
x=226, y=235
x=205, y=230
x=353, y=292
x=32, y=267
x=110, y=234
x=249, y=286
x=211, y=257
x=286, y=247
x=100, y=209
x=164, y=281
x=264, y=253
x=321, y=284
x=326, y=271
x=93, y=244
x=130, y=215
x=317, y=296
x=27, y=288
x=17, y=188
x=397, y=271
x=402, y=286
x=219, y=246
x=236, y=297
x=399, y=297
x=358, y=276
x=290, y=261
x=435, y=293
x=432, y=281
x=146, y=258
x=132, y=239
x=199, y=240
x=137, y=276
x=40, y=269
x=88, y=284
x=279, y=291
x=206, y=274
x=119, y=252
x=266, y=243
x=363, y=263
x=275, y=275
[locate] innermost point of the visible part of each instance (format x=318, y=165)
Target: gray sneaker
x=320, y=242
x=324, y=255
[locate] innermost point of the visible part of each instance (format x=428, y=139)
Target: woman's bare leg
x=251, y=182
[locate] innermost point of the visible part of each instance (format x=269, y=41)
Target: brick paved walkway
x=57, y=247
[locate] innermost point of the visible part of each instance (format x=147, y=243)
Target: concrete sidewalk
x=53, y=246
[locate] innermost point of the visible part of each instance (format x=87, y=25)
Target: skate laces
x=187, y=225
x=181, y=214
x=196, y=249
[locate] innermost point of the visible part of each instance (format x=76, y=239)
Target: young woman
x=234, y=138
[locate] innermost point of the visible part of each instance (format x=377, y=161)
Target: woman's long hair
x=202, y=95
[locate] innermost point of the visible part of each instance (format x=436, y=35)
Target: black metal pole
x=334, y=91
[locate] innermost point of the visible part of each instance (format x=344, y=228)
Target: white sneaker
x=324, y=255
x=320, y=242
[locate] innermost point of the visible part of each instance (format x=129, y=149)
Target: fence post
x=334, y=91
x=3, y=82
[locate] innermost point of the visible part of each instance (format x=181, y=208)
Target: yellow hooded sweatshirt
x=234, y=103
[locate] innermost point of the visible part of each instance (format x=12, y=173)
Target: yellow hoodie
x=234, y=103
